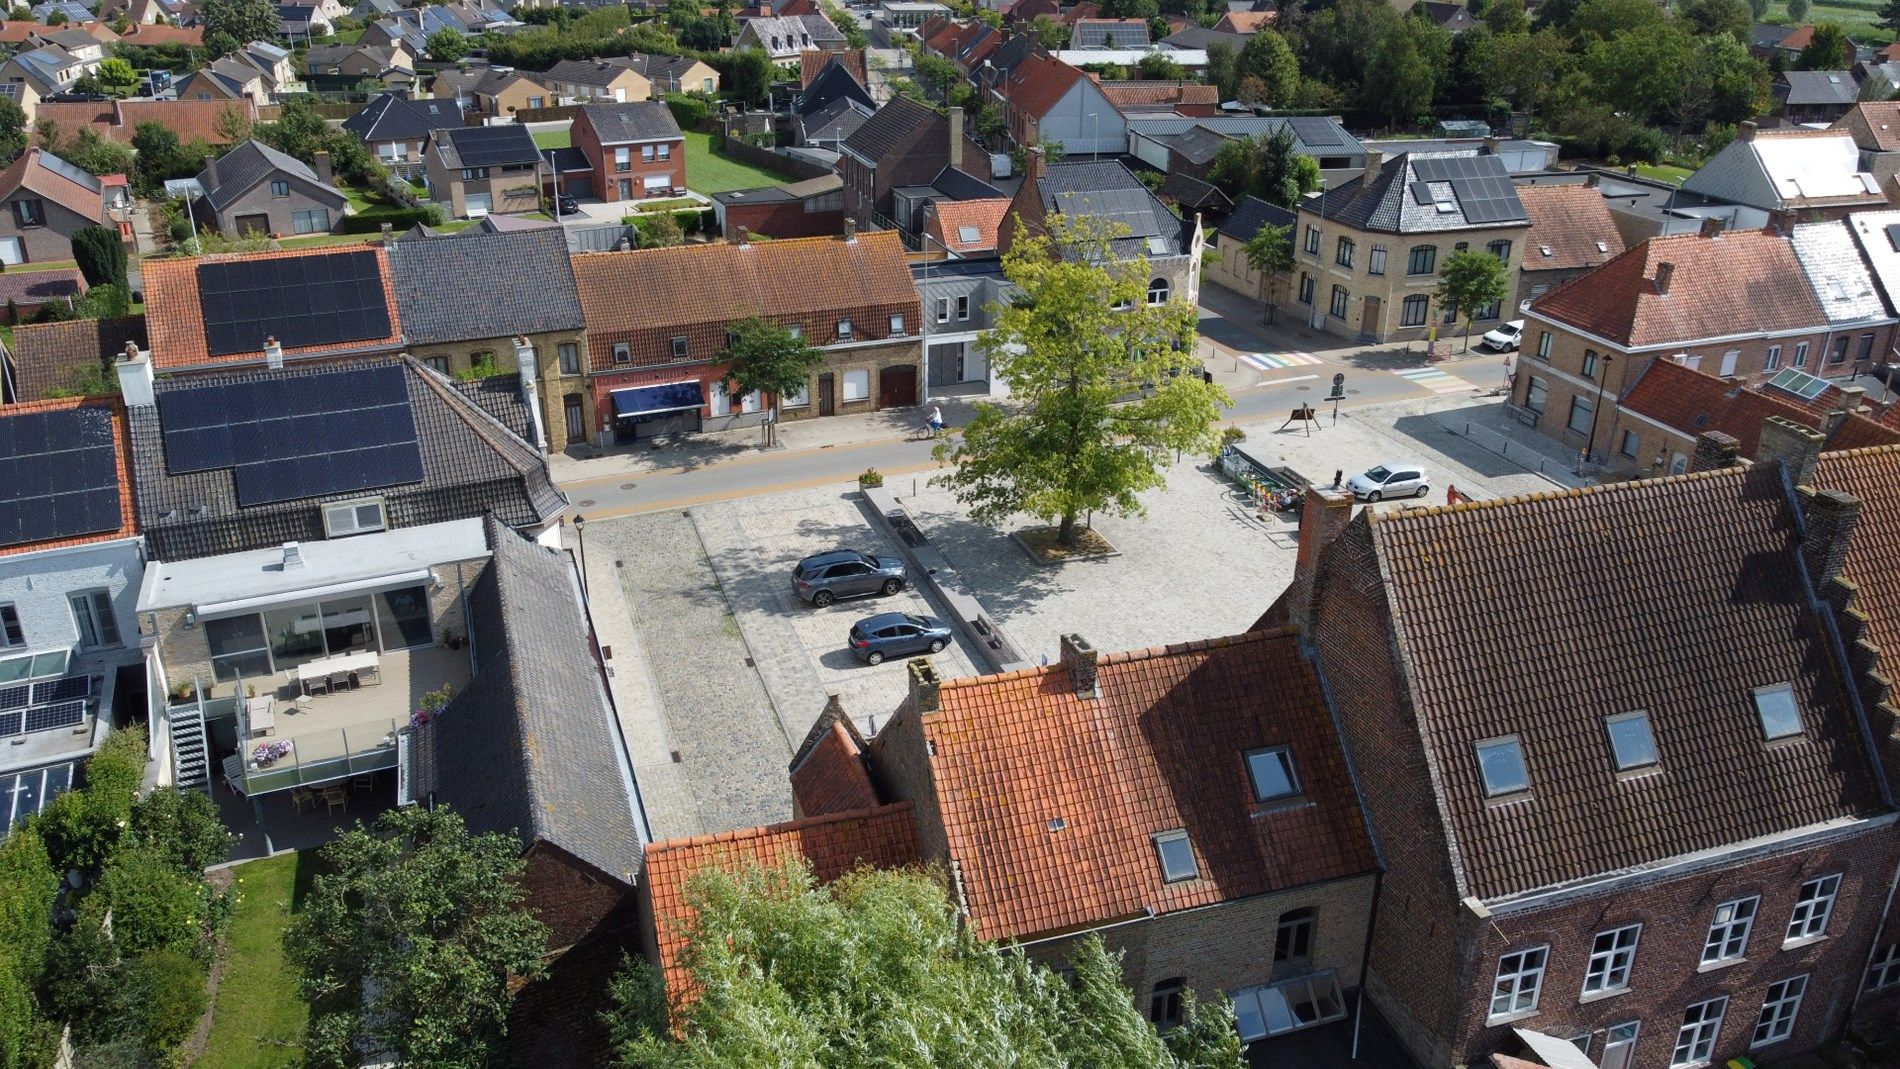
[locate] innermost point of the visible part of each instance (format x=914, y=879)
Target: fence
x=746, y=152
x=557, y=113
x=600, y=238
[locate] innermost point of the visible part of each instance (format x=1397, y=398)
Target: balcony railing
x=313, y=758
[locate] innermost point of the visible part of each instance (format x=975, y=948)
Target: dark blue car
x=896, y=634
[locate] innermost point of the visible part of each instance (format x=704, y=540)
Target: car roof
x=1395, y=465
x=883, y=619
x=833, y=556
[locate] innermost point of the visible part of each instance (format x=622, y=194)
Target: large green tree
x=768, y=358
x=116, y=77
x=447, y=44
x=13, y=132
x=409, y=941
x=100, y=254
x=1402, y=78
x=1339, y=41
x=1082, y=338
x=1268, y=57
x=877, y=970
x=1269, y=167
x=1828, y=50
x=232, y=23
x=1710, y=17
x=1469, y=281
x=1270, y=252
x=1890, y=16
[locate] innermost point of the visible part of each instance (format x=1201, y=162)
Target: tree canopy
x=1269, y=167
x=230, y=24
x=768, y=358
x=1270, y=252
x=1471, y=280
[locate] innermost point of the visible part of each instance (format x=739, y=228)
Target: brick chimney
x=924, y=685
x=1715, y=451
x=1830, y=517
x=1712, y=226
x=1374, y=160
x=850, y=231
x=956, y=137
x=1323, y=516
x=1078, y=657
x=320, y=163
x=1032, y=164
x=1787, y=441
x=1594, y=181
x=273, y=354
x=1665, y=274
x=1492, y=144
x=1746, y=131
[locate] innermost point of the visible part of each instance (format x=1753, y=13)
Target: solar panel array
x=493, y=146
x=77, y=176
x=1316, y=132
x=59, y=475
x=299, y=300
x=338, y=430
x=43, y=706
x=1485, y=194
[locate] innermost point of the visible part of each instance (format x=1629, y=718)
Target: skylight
x=1800, y=383
x=1501, y=763
x=968, y=234
x=1177, y=856
x=1780, y=717
x=1603, y=246
x=1444, y=207
x=1631, y=742
x=1545, y=249
x=1272, y=772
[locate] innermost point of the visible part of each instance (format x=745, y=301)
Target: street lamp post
x=1603, y=377
x=580, y=535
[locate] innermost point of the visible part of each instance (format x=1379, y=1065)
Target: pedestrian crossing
x=1435, y=380
x=1278, y=361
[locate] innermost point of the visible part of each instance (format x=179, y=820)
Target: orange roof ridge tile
x=1865, y=450
x=1555, y=495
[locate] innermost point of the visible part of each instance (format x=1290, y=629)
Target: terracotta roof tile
x=1875, y=123
x=1745, y=281
x=31, y=172
x=1570, y=221
x=1131, y=94
x=1873, y=554
x=1863, y=432
x=53, y=356
x=885, y=837
x=1038, y=83
x=152, y=34
x=812, y=64
x=1245, y=21
x=1693, y=402
x=696, y=291
x=831, y=776
x=175, y=319
x=1050, y=800
x=121, y=435
x=948, y=218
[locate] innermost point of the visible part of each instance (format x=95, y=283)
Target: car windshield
x=918, y=620
x=1379, y=474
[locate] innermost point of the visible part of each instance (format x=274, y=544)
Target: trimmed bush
x=100, y=254
x=688, y=111
x=170, y=997
x=183, y=828
x=399, y=219
x=153, y=907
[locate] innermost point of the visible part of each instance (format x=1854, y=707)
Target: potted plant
x=871, y=478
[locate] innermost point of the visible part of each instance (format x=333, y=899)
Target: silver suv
x=845, y=573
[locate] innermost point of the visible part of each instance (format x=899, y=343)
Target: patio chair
x=337, y=797
x=364, y=782
x=339, y=680
x=302, y=796
x=318, y=685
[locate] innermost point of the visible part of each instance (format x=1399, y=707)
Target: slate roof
x=50, y=177
x=107, y=408
x=1693, y=401
x=532, y=747
x=51, y=356
x=1198, y=145
x=618, y=124
x=1817, y=87
x=656, y=69
x=1873, y=555
x=1050, y=800
x=500, y=397
x=1251, y=214
x=1569, y=221
x=1109, y=33
x=1482, y=662
x=892, y=128
x=958, y=184
x=1313, y=135
x=1199, y=39
x=833, y=845
x=471, y=465
x=1389, y=203
x=835, y=82
x=446, y=295
x=1107, y=189
x=835, y=121
x=1788, y=168
x=389, y=117
x=1192, y=193
x=237, y=172
x=175, y=316
x=598, y=74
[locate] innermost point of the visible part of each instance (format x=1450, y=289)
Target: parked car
x=1506, y=337
x=845, y=573
x=895, y=634
x=1391, y=479
x=568, y=205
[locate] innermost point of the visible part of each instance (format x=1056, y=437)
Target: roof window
x=1545, y=249
x=1603, y=246
x=1631, y=741
x=1272, y=773
x=1780, y=717
x=1501, y=763
x=1177, y=856
x=968, y=234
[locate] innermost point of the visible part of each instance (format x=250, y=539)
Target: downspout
x=1365, y=958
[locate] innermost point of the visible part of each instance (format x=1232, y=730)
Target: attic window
x=1631, y=742
x=1603, y=246
x=1780, y=717
x=968, y=234
x=1177, y=856
x=1545, y=249
x=1272, y=772
x=1444, y=207
x=1501, y=763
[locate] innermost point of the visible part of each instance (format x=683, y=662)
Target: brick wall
x=1393, y=285
x=455, y=357
x=783, y=219
x=900, y=768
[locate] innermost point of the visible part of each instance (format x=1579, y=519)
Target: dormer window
x=353, y=517
x=1631, y=742
x=679, y=346
x=1177, y=856
x=1272, y=773
x=1780, y=717
x=1501, y=763
x=844, y=330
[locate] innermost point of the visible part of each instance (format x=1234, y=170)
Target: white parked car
x=1391, y=479
x=1506, y=337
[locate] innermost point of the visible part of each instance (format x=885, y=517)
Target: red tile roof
x=1861, y=432
x=1050, y=800
x=1570, y=221
x=154, y=34
x=830, y=776
x=1744, y=281
x=885, y=837
x=696, y=291
x=29, y=172
x=1133, y=94
x=1873, y=553
x=1038, y=83
x=175, y=319
x=812, y=64
x=1799, y=39
x=191, y=120
x=1693, y=402
x=14, y=32
x=1245, y=21
x=1874, y=123
x=947, y=218
x=121, y=434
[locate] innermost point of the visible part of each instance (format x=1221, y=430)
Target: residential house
x=224, y=80
x=785, y=37
x=1683, y=861
x=521, y=318
x=1793, y=174
x=1089, y=35
x=1045, y=99
x=960, y=300
x=1815, y=96
x=672, y=74
x=813, y=64
x=64, y=358
x=412, y=26
x=1171, y=246
x=1233, y=270
x=808, y=209
x=276, y=587
x=1179, y=144
x=70, y=564
x=909, y=14
x=23, y=293
x=1670, y=407
x=478, y=170
x=274, y=64
x=1200, y=39
x=635, y=150
x=1244, y=23
x=358, y=61
x=41, y=72
x=140, y=12
x=828, y=127
x=45, y=201
x=192, y=120
x=371, y=10
x=1371, y=248
x=483, y=16
x=593, y=80
x=905, y=143
x=835, y=81
x=1875, y=128
x=1451, y=17
x=302, y=22
x=492, y=92
x=966, y=44
x=71, y=12
x=396, y=128
x=1163, y=97
x=145, y=33
x=964, y=229
x=531, y=748
x=78, y=43
x=255, y=190
x=655, y=364
x=1572, y=231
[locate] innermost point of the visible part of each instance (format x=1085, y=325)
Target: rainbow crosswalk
x=1278, y=361
x=1435, y=380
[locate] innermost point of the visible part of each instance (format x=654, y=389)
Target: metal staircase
x=191, y=751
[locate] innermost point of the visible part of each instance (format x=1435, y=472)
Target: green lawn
x=709, y=171
x=1663, y=172
x=1858, y=17
x=259, y=1020
x=553, y=139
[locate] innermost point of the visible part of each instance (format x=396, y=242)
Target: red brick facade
x=592, y=921
x=623, y=171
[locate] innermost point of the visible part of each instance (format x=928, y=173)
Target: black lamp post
x=580, y=534
x=1603, y=377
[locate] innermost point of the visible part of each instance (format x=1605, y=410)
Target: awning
x=211, y=610
x=634, y=402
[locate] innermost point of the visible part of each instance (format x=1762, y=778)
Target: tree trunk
x=1065, y=531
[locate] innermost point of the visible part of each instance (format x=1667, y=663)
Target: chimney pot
x=1374, y=160
x=1324, y=514
x=1794, y=445
x=136, y=380
x=850, y=231
x=924, y=685
x=293, y=556
x=1078, y=657
x=1712, y=226
x=1492, y=144
x=1715, y=450
x=1830, y=516
x=1665, y=274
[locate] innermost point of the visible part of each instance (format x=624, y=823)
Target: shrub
x=1645, y=144
x=871, y=478
x=183, y=828
x=81, y=827
x=100, y=254
x=688, y=111
x=399, y=219
x=169, y=994
x=153, y=907
x=28, y=885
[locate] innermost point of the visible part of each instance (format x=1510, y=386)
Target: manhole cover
x=628, y=486
x=1303, y=389
x=584, y=504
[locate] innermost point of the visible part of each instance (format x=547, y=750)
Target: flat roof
x=359, y=560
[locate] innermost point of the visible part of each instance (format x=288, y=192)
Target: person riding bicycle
x=936, y=421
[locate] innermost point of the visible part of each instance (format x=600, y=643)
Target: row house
x=1171, y=246
x=904, y=144
x=1572, y=232
x=1681, y=862
x=1370, y=250
x=655, y=365
x=1233, y=270
x=1665, y=416
x=1792, y=174
x=596, y=80
x=1045, y=99
x=786, y=37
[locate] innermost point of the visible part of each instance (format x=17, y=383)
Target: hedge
x=688, y=111
x=399, y=219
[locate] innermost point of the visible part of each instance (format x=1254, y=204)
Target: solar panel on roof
x=69, y=172
x=299, y=300
x=338, y=430
x=46, y=718
x=15, y=697
x=66, y=689
x=12, y=723
x=59, y=475
x=491, y=146
x=1316, y=132
x=1421, y=193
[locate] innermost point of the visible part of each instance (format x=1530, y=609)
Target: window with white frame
x=11, y=634
x=844, y=330
x=1695, y=1041
x=1631, y=742
x=92, y=614
x=1520, y=980
x=1589, y=363
x=1176, y=854
x=1780, y=717
x=1158, y=290
x=857, y=384
x=623, y=353
x=1812, y=907
x=1778, y=1011
x=798, y=398
x=1883, y=971
x=352, y=517
x=1312, y=240
x=1729, y=361
x=1272, y=773
x=1774, y=358
x=1375, y=260
x=1728, y=931
x=1801, y=354
x=897, y=326
x=1612, y=954
x=1501, y=765
x=1619, y=1045
x=1165, y=1004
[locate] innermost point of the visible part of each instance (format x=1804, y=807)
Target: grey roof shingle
x=590, y=72
x=835, y=121
x=532, y=747
x=1251, y=215
x=1108, y=190
x=1818, y=87
x=962, y=185
x=238, y=171
x=833, y=83
x=1390, y=203
x=393, y=118
x=1199, y=37
x=471, y=465
x=484, y=286
x=620, y=123
x=1198, y=145
x=890, y=129
x=1191, y=192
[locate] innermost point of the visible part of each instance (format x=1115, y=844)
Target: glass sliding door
x=296, y=636
x=238, y=647
x=403, y=617
x=348, y=626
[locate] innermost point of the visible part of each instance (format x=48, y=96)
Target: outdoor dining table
x=328, y=666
